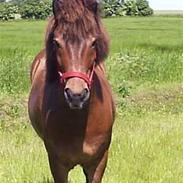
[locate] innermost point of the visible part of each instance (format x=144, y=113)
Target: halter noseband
x=71, y=74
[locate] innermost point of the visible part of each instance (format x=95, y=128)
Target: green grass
x=145, y=70
x=169, y=13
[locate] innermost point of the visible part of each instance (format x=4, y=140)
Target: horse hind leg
x=95, y=171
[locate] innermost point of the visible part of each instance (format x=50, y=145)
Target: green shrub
x=35, y=10
x=137, y=8
x=144, y=8
x=8, y=11
x=41, y=9
x=126, y=8
x=112, y=7
x=130, y=8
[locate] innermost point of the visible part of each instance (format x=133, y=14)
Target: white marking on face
x=76, y=55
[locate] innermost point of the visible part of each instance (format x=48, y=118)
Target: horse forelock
x=74, y=20
x=68, y=10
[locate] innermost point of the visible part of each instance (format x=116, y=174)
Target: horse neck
x=51, y=68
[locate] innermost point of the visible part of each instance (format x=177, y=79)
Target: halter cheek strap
x=71, y=74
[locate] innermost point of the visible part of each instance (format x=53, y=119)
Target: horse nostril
x=84, y=94
x=70, y=95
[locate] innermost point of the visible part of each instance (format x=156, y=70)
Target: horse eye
x=93, y=45
x=57, y=44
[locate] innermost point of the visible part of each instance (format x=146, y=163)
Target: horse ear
x=56, y=5
x=54, y=2
x=92, y=5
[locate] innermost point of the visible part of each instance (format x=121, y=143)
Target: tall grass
x=14, y=71
x=141, y=66
x=20, y=41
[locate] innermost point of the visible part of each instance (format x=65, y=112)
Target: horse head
x=78, y=43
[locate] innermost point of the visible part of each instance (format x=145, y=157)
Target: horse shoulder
x=38, y=61
x=110, y=93
x=104, y=84
x=102, y=114
x=36, y=96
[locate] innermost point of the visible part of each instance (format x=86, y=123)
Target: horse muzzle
x=76, y=89
x=76, y=100
x=77, y=86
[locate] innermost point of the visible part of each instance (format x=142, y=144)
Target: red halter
x=71, y=74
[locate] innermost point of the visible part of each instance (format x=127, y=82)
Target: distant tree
x=126, y=8
x=20, y=2
x=17, y=1
x=35, y=9
x=130, y=8
x=41, y=9
x=137, y=8
x=111, y=7
x=143, y=8
x=8, y=11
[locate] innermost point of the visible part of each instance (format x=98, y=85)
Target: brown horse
x=71, y=105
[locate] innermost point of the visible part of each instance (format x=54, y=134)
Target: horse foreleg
x=95, y=171
x=59, y=172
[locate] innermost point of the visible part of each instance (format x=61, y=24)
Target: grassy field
x=145, y=69
x=168, y=13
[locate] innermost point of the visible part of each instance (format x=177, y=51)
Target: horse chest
x=72, y=140
x=78, y=150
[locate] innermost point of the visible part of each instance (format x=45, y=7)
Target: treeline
x=25, y=9
x=41, y=9
x=126, y=8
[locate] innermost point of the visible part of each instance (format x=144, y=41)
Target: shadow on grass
x=46, y=180
x=162, y=48
x=50, y=181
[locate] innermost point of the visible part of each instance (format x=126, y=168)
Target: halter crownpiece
x=74, y=74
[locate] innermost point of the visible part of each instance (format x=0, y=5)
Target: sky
x=166, y=4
